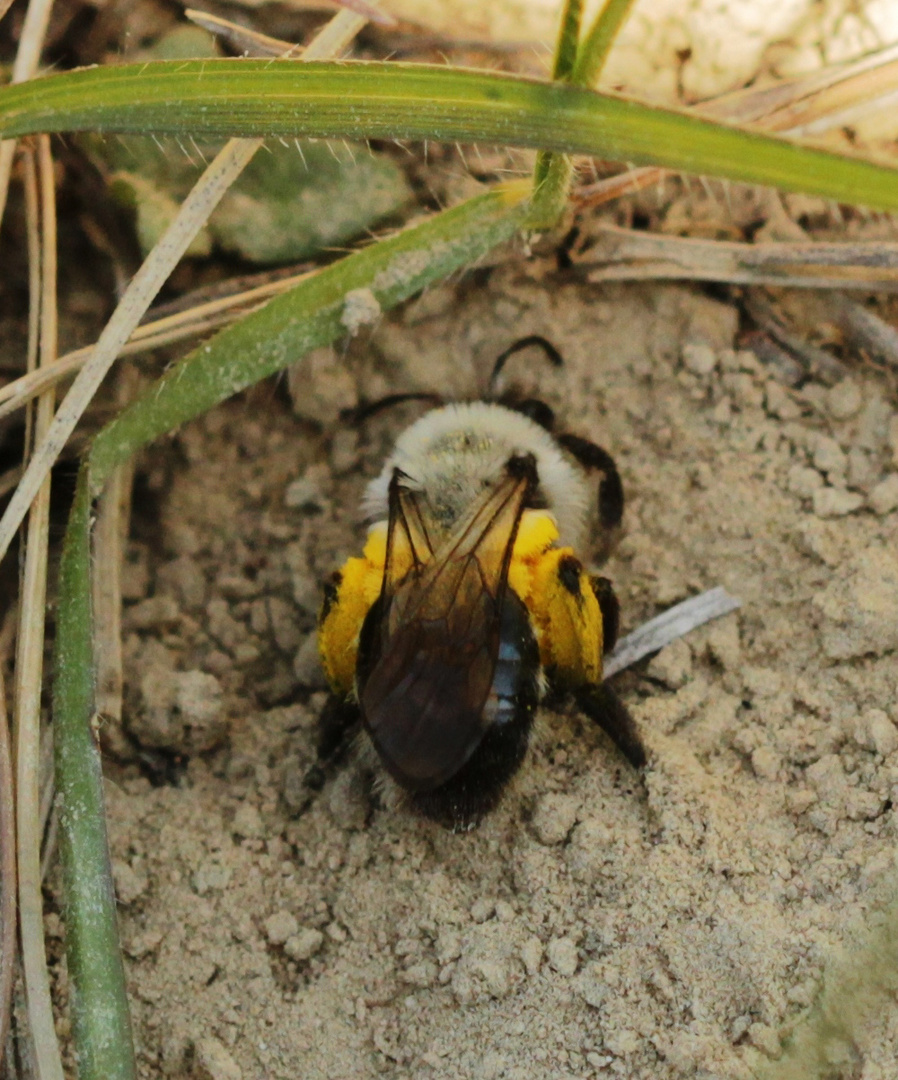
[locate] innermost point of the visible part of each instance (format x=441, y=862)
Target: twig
x=249, y=42
x=866, y=330
x=630, y=255
x=674, y=623
x=7, y=874
x=29, y=656
x=28, y=55
x=820, y=363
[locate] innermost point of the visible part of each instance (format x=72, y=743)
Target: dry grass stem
x=198, y=320
x=7, y=873
x=674, y=623
x=817, y=362
x=28, y=56
x=110, y=533
x=865, y=330
x=249, y=42
x=30, y=654
x=631, y=255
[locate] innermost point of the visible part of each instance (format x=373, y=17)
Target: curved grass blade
x=369, y=99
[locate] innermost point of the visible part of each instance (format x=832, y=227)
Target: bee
x=469, y=605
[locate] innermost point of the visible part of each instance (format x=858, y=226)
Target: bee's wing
x=427, y=686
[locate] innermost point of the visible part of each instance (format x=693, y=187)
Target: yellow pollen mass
x=549, y=580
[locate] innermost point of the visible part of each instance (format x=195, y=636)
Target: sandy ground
x=600, y=923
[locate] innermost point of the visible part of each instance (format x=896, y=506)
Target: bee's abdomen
x=508, y=717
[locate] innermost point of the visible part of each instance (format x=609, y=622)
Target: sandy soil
x=601, y=923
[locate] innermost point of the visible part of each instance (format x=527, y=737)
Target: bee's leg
x=538, y=411
x=553, y=355
x=611, y=490
x=601, y=704
x=336, y=726
x=609, y=605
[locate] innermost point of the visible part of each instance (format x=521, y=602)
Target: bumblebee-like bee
x=468, y=605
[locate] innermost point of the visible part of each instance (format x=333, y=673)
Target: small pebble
x=307, y=491
x=803, y=481
x=673, y=665
x=832, y=502
x=304, y=944
x=248, y=822
x=765, y=1039
x=875, y=731
x=884, y=497
x=213, y=1062
x=623, y=1043
x=699, y=359
x=765, y=763
x=154, y=613
x=780, y=403
x=482, y=909
x=129, y=884
x=562, y=955
x=844, y=400
x=554, y=817
x=724, y=644
x=863, y=469
x=280, y=926
x=180, y=710
x=762, y=682
x=532, y=955
x=829, y=457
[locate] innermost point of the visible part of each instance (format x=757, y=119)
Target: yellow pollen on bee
x=567, y=624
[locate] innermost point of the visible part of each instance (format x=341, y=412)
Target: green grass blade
x=99, y=1003
x=387, y=100
x=552, y=172
x=314, y=313
x=597, y=44
x=568, y=39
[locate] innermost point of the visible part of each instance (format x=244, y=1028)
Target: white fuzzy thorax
x=452, y=453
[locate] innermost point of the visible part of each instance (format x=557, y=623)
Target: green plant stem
x=99, y=1002
x=598, y=41
x=552, y=181
x=552, y=172
x=385, y=100
x=314, y=313
x=568, y=40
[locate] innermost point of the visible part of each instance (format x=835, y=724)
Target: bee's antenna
x=552, y=354
x=361, y=413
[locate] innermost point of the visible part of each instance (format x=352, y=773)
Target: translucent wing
x=435, y=670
